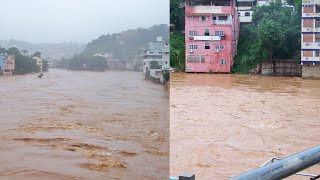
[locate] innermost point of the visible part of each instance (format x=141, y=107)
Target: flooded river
x=224, y=125
x=83, y=125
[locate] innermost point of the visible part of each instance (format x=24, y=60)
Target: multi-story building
x=245, y=10
x=211, y=35
x=7, y=63
x=2, y=62
x=154, y=53
x=310, y=38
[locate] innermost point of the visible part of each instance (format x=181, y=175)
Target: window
x=317, y=37
x=223, y=18
x=219, y=47
x=219, y=33
x=206, y=45
x=203, y=18
x=203, y=59
x=193, y=33
x=317, y=52
x=317, y=25
x=223, y=61
x=194, y=59
x=214, y=17
x=206, y=32
x=317, y=8
x=247, y=14
x=239, y=14
x=192, y=47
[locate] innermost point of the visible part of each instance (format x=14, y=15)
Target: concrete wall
x=281, y=68
x=311, y=71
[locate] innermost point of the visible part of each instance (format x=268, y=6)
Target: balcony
x=310, y=29
x=244, y=8
x=310, y=58
x=310, y=45
x=229, y=22
x=245, y=19
x=310, y=14
x=306, y=2
x=207, y=10
x=206, y=38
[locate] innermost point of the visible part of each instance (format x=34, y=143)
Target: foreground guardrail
x=184, y=177
x=284, y=167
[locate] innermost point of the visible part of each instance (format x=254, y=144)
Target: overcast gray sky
x=76, y=20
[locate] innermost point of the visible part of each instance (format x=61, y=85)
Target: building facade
x=2, y=62
x=245, y=10
x=211, y=35
x=7, y=64
x=310, y=39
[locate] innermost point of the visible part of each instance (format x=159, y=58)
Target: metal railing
x=276, y=168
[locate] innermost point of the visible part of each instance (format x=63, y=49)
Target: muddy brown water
x=83, y=125
x=224, y=125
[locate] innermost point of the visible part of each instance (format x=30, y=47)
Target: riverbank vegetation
x=274, y=34
x=87, y=62
x=177, y=39
x=118, y=46
x=24, y=64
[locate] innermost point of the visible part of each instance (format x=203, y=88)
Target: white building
x=39, y=62
x=158, y=51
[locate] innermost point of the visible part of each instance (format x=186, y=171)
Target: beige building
x=39, y=62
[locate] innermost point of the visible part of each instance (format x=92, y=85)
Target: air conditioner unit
x=217, y=50
x=191, y=51
x=223, y=37
x=190, y=37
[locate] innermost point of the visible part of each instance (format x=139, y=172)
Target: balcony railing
x=310, y=45
x=310, y=29
x=206, y=38
x=310, y=1
x=206, y=10
x=222, y=22
x=310, y=58
x=310, y=14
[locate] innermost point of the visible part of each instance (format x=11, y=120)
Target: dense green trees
x=177, y=50
x=154, y=65
x=273, y=35
x=177, y=12
x=87, y=62
x=23, y=64
x=127, y=43
x=177, y=42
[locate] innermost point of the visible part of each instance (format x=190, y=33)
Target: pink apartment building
x=211, y=35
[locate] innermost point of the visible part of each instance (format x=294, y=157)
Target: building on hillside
x=156, y=61
x=39, y=62
x=154, y=53
x=310, y=39
x=166, y=57
x=2, y=62
x=212, y=32
x=9, y=65
x=245, y=10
